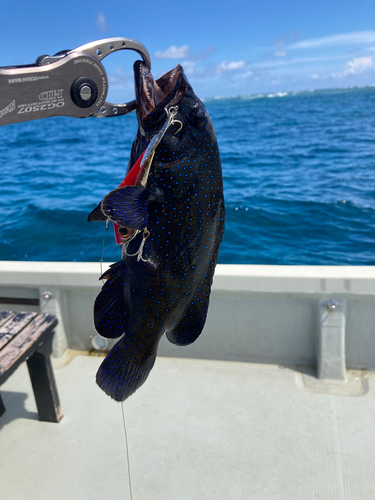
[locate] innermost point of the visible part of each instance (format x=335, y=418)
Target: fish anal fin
x=191, y=324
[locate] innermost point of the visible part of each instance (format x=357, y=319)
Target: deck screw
x=47, y=295
x=331, y=305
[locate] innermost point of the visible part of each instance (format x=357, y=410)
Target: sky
x=229, y=48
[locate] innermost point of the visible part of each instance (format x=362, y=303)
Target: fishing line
x=102, y=257
x=127, y=450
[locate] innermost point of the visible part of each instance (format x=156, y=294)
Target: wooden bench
x=27, y=336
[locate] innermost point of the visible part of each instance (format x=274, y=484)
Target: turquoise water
x=299, y=178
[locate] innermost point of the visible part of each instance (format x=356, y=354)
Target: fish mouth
x=149, y=92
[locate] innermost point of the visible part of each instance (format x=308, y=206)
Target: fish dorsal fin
x=111, y=309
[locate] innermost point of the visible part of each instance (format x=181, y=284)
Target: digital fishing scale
x=70, y=83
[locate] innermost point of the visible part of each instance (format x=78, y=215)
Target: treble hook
x=172, y=112
x=139, y=252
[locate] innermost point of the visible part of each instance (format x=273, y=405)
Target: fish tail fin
x=124, y=370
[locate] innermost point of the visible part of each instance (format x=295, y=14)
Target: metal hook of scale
x=101, y=49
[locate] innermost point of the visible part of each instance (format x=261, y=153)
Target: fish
x=169, y=216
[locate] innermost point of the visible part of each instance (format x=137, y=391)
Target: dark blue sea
x=299, y=178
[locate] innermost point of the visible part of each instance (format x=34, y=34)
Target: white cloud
x=195, y=72
x=356, y=66
x=173, y=52
x=359, y=65
x=229, y=66
x=282, y=63
x=281, y=53
x=101, y=22
x=341, y=39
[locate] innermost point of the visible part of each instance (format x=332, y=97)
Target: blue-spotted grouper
x=170, y=216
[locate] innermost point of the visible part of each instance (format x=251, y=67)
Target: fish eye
x=124, y=232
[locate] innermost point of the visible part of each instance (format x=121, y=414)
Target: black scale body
x=168, y=290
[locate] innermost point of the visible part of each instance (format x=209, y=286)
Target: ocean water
x=299, y=180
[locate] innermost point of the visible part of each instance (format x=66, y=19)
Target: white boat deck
x=197, y=429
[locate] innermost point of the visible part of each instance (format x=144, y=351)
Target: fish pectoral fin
x=97, y=214
x=125, y=369
x=127, y=206
x=191, y=325
x=111, y=308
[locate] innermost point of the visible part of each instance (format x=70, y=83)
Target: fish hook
x=172, y=112
x=139, y=252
